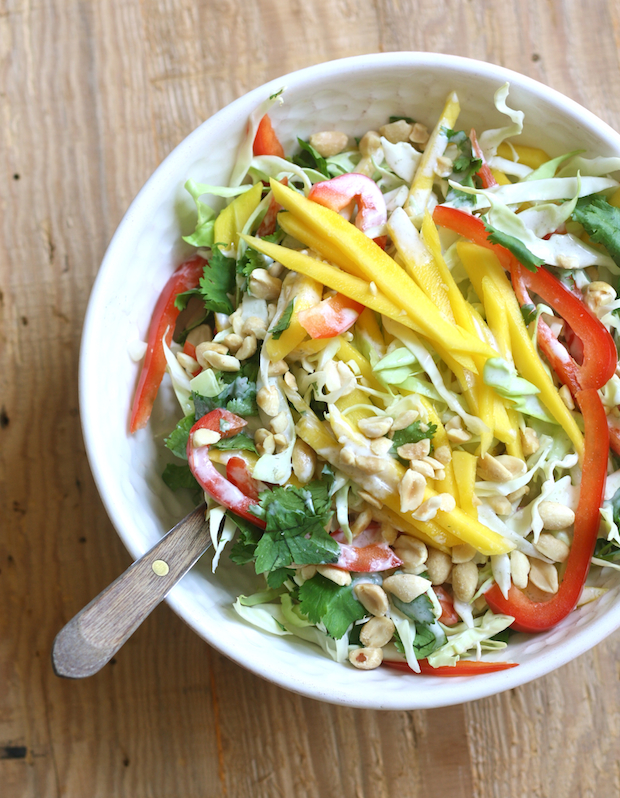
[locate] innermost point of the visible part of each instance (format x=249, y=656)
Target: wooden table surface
x=93, y=95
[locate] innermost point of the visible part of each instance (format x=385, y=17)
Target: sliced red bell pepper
x=484, y=173
x=164, y=318
x=448, y=615
x=464, y=667
x=208, y=477
x=330, y=317
x=268, y=225
x=367, y=553
x=238, y=473
x=266, y=142
x=600, y=356
x=343, y=190
x=538, y=616
x=613, y=422
x=555, y=352
x=190, y=349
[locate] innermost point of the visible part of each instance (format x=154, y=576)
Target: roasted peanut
x=464, y=581
x=366, y=659
x=376, y=632
x=406, y=587
x=373, y=598
x=438, y=566
x=555, y=515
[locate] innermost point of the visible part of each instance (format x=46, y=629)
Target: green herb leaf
x=424, y=642
x=419, y=610
x=295, y=527
x=309, y=158
x=179, y=476
x=407, y=119
x=239, y=395
x=250, y=260
x=177, y=440
x=218, y=281
x=518, y=248
x=240, y=442
x=277, y=578
x=323, y=601
x=529, y=313
x=285, y=321
x=244, y=549
x=601, y=221
x=412, y=434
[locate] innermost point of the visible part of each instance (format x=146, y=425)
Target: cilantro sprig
x=601, y=221
x=514, y=245
x=285, y=321
x=412, y=434
x=323, y=601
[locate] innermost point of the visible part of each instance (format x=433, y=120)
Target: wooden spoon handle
x=97, y=632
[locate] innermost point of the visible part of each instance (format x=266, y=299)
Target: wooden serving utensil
x=96, y=633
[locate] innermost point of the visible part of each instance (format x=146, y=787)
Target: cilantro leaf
x=323, y=601
x=177, y=440
x=407, y=119
x=601, y=221
x=240, y=442
x=218, y=281
x=179, y=476
x=419, y=610
x=295, y=527
x=424, y=642
x=412, y=434
x=250, y=260
x=518, y=248
x=181, y=300
x=285, y=321
x=465, y=166
x=309, y=158
x=277, y=578
x=238, y=396
x=244, y=549
x=529, y=313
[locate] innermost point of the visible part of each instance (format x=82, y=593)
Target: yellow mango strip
x=381, y=269
x=297, y=229
x=480, y=262
x=310, y=347
x=363, y=406
x=428, y=532
x=498, y=322
x=419, y=262
x=424, y=177
x=307, y=293
x=501, y=178
x=430, y=236
x=222, y=456
x=465, y=474
x=457, y=523
x=348, y=284
x=496, y=317
x=232, y=219
x=530, y=156
x=368, y=327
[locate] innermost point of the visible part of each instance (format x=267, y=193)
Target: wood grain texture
x=93, y=94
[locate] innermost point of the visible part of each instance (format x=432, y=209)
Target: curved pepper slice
x=330, y=317
x=343, y=190
x=266, y=142
x=484, y=173
x=464, y=667
x=537, y=616
x=164, y=318
x=600, y=355
x=208, y=477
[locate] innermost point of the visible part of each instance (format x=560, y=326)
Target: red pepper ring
x=208, y=477
x=555, y=352
x=464, y=667
x=600, y=355
x=162, y=324
x=538, y=616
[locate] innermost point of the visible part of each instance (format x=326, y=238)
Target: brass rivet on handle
x=160, y=567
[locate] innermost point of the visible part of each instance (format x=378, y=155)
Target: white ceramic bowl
x=354, y=95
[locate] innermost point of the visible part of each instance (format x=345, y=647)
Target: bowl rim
x=160, y=180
